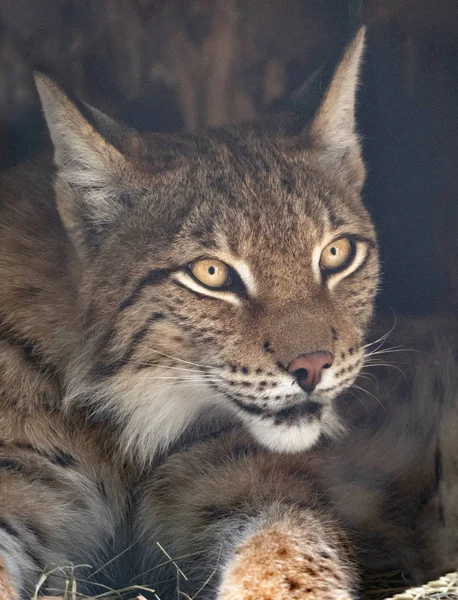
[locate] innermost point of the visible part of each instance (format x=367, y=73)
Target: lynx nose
x=307, y=368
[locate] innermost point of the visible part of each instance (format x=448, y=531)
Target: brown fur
x=109, y=354
x=107, y=446
x=114, y=360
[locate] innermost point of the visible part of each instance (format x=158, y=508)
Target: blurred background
x=168, y=65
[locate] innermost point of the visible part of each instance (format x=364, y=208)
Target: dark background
x=167, y=65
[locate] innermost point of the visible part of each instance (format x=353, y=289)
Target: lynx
x=179, y=315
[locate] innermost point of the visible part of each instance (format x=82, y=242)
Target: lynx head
x=232, y=271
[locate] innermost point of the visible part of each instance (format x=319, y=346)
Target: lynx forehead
x=231, y=273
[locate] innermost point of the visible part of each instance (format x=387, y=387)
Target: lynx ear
x=93, y=175
x=333, y=128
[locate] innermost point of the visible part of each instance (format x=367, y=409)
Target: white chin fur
x=156, y=414
x=283, y=438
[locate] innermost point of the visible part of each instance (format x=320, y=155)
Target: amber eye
x=211, y=273
x=337, y=255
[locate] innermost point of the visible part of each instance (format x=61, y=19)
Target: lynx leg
x=242, y=523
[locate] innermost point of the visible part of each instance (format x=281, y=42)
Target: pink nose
x=307, y=368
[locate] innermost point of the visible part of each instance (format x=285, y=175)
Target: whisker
x=378, y=363
x=370, y=394
x=383, y=363
x=177, y=378
x=393, y=350
x=353, y=393
x=393, y=347
x=188, y=362
x=383, y=337
x=213, y=396
x=159, y=366
x=369, y=377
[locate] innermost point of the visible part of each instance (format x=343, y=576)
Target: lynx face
x=233, y=271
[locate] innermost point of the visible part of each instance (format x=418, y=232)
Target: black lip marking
x=287, y=416
x=250, y=408
x=293, y=414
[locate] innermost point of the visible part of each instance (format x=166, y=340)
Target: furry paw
x=275, y=564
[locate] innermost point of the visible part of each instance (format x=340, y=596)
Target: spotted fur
x=112, y=356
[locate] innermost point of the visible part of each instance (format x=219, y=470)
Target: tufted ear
x=95, y=178
x=333, y=128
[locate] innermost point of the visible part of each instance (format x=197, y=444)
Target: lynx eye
x=211, y=273
x=337, y=255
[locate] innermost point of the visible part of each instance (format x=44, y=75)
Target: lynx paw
x=275, y=565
